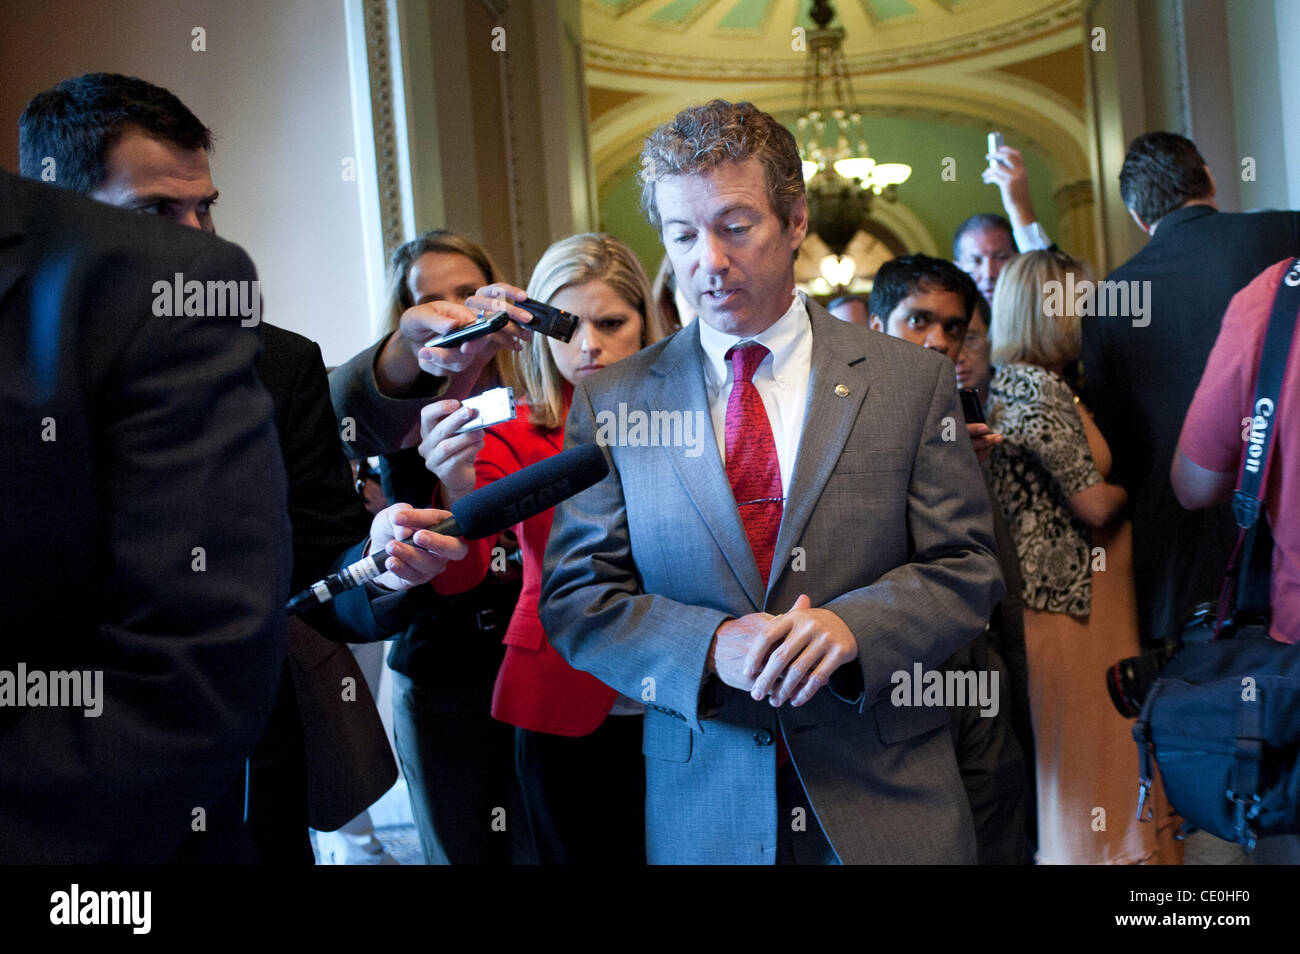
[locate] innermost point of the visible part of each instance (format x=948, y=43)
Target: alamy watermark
x=946, y=687
x=1104, y=299
x=36, y=688
x=128, y=908
x=210, y=299
x=637, y=428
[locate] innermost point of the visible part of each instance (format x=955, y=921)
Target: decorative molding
x=607, y=56
x=498, y=9
x=380, y=69
x=1073, y=195
x=899, y=219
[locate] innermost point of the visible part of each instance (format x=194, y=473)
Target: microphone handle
x=355, y=574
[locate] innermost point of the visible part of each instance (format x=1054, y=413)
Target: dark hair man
x=929, y=302
x=100, y=399
x=1163, y=172
x=1140, y=380
x=135, y=145
x=925, y=300
x=719, y=588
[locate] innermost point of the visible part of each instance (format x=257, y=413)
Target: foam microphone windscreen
x=528, y=492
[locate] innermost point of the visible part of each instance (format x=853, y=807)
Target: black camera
x=1129, y=680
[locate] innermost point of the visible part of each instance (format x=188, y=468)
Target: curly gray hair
x=700, y=138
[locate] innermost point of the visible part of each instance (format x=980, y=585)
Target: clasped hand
x=782, y=658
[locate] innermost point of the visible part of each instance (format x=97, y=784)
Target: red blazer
x=535, y=688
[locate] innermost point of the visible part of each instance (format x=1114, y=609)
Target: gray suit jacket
x=886, y=523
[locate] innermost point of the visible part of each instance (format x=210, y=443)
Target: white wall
x=273, y=86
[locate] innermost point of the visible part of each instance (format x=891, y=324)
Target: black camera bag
x=1223, y=720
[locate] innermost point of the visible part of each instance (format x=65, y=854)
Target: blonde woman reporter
x=577, y=742
x=1074, y=544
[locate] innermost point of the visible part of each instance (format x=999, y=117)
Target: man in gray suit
x=861, y=515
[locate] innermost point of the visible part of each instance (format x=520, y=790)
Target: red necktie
x=753, y=469
x=752, y=466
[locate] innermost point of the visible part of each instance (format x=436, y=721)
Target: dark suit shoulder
x=287, y=342
x=288, y=368
x=1236, y=240
x=284, y=354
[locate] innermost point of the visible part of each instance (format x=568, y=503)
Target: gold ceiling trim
x=605, y=57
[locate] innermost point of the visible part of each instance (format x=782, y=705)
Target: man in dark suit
x=1141, y=370
x=823, y=490
x=142, y=465
x=135, y=145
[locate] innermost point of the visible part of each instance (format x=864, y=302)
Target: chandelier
x=839, y=173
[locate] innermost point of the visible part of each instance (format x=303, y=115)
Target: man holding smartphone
x=985, y=243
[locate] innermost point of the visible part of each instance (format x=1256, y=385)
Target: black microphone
x=483, y=513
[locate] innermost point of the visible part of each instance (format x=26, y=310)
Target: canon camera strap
x=1255, y=543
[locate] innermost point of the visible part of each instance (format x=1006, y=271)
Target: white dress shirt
x=781, y=381
x=1030, y=238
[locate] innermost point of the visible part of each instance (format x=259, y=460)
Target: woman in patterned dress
x=1074, y=544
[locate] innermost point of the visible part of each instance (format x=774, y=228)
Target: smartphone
x=996, y=142
x=493, y=407
x=970, y=406
x=485, y=326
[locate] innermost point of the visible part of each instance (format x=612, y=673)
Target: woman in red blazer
x=581, y=770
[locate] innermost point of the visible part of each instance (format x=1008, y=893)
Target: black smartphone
x=970, y=406
x=485, y=326
x=547, y=320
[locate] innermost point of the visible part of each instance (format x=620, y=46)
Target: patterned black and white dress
x=1043, y=461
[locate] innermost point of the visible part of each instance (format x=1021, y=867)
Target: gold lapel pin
x=842, y=390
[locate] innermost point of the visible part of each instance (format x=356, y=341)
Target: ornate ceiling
x=759, y=39
x=1012, y=65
